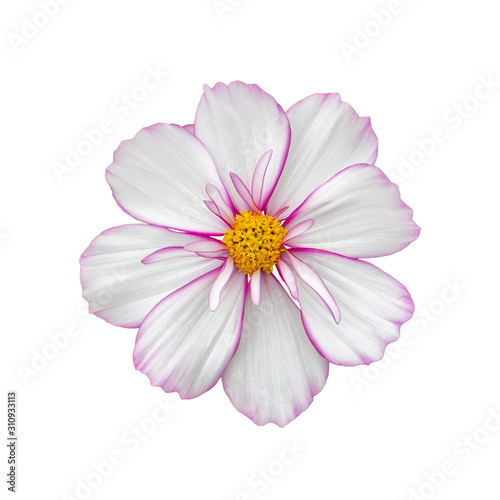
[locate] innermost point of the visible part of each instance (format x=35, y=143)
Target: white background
x=376, y=434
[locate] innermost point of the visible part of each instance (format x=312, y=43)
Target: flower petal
x=159, y=177
x=313, y=279
x=215, y=294
x=244, y=193
x=255, y=286
x=357, y=213
x=276, y=371
x=165, y=254
x=373, y=304
x=119, y=287
x=288, y=277
x=327, y=136
x=184, y=347
x=224, y=208
x=258, y=178
x=205, y=245
x=238, y=123
x=298, y=229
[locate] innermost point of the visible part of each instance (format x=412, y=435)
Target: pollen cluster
x=255, y=242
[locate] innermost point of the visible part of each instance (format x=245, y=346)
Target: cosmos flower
x=246, y=265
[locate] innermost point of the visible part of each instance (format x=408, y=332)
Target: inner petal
x=255, y=242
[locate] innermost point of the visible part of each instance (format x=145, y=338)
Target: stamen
x=255, y=242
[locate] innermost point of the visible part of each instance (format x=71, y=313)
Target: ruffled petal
x=119, y=287
x=373, y=304
x=184, y=347
x=238, y=123
x=357, y=213
x=276, y=371
x=327, y=136
x=160, y=176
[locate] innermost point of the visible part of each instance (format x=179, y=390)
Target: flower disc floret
x=255, y=242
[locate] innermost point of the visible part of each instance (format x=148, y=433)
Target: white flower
x=246, y=192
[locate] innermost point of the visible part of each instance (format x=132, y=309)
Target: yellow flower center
x=255, y=242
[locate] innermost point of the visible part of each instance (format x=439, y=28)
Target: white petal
x=159, y=177
x=255, y=286
x=298, y=229
x=244, y=193
x=357, y=213
x=258, y=178
x=276, y=371
x=327, y=136
x=314, y=281
x=224, y=208
x=288, y=277
x=373, y=304
x=119, y=287
x=184, y=347
x=205, y=245
x=165, y=254
x=238, y=123
x=215, y=294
